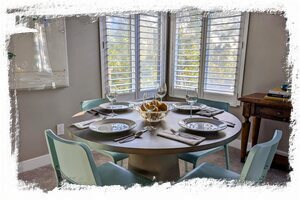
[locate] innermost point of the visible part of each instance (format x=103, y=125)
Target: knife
x=184, y=136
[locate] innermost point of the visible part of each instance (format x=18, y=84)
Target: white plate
x=187, y=107
x=115, y=125
x=202, y=124
x=116, y=106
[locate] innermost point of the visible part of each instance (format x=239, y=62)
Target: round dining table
x=152, y=155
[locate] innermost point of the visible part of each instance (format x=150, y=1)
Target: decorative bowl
x=153, y=116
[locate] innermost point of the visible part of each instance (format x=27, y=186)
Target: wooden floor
x=44, y=177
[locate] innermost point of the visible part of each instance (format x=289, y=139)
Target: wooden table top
x=150, y=143
x=258, y=98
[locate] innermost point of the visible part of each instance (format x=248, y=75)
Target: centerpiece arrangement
x=153, y=111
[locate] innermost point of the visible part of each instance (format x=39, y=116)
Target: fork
x=230, y=124
x=130, y=135
x=136, y=135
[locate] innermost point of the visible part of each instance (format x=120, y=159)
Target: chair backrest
x=72, y=160
x=260, y=159
x=217, y=104
x=88, y=104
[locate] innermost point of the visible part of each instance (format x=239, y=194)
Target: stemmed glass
x=191, y=97
x=111, y=95
x=147, y=99
x=161, y=90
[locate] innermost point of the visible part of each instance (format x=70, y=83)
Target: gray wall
x=40, y=110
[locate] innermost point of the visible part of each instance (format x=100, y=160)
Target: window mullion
x=137, y=56
x=203, y=53
x=103, y=55
x=159, y=61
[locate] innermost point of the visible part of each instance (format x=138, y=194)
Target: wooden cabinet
x=254, y=105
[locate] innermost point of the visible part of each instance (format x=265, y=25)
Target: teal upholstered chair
x=194, y=157
x=92, y=103
x=73, y=161
x=89, y=104
x=255, y=168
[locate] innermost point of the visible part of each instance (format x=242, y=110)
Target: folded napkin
x=209, y=111
x=85, y=124
x=182, y=137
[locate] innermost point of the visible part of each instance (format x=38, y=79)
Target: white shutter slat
x=120, y=53
x=149, y=54
x=188, y=46
x=222, y=52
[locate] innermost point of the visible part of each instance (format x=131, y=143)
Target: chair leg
x=186, y=166
x=58, y=178
x=194, y=165
x=226, y=151
x=121, y=163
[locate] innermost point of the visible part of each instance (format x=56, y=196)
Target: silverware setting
x=98, y=112
x=229, y=124
x=131, y=137
x=87, y=123
x=181, y=135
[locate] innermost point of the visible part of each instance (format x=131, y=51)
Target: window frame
x=180, y=93
x=137, y=94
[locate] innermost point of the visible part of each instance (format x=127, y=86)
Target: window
x=208, y=51
x=132, y=53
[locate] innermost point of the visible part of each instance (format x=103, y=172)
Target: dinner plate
x=202, y=124
x=116, y=106
x=115, y=125
x=187, y=107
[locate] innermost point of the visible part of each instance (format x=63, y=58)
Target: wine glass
x=191, y=97
x=147, y=99
x=111, y=95
x=161, y=90
x=149, y=107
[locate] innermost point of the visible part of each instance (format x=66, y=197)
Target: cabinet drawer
x=273, y=113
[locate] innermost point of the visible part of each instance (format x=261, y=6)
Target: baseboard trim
x=34, y=163
x=237, y=144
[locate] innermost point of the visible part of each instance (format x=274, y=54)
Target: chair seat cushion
x=116, y=156
x=207, y=170
x=112, y=174
x=193, y=157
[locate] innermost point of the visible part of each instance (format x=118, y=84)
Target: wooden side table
x=254, y=105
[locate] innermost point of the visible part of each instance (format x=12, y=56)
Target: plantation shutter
x=208, y=53
x=188, y=28
x=222, y=53
x=119, y=53
x=149, y=50
x=133, y=53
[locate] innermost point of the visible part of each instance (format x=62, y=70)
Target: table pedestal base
x=163, y=167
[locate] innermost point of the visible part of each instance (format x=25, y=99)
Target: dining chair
x=194, y=157
x=73, y=161
x=255, y=168
x=115, y=156
x=92, y=103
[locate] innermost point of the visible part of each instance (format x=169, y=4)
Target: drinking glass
x=161, y=90
x=111, y=95
x=191, y=97
x=147, y=99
